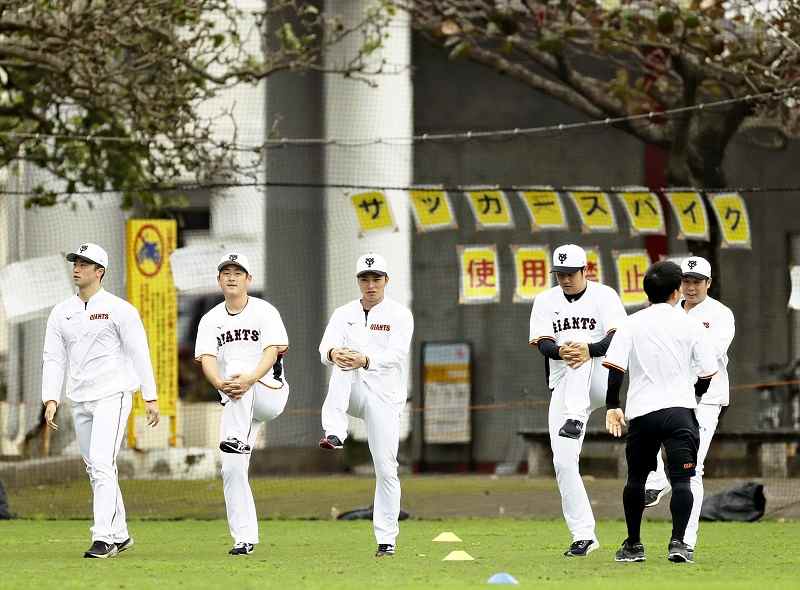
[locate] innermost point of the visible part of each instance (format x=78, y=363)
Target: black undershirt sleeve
x=549, y=349
x=601, y=347
x=701, y=386
x=615, y=377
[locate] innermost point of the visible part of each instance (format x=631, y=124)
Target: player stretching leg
x=240, y=344
x=367, y=342
x=96, y=338
x=719, y=322
x=572, y=325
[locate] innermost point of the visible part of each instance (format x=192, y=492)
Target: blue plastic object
x=503, y=578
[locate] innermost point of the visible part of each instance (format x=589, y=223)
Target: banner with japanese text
x=594, y=265
x=545, y=208
x=631, y=266
x=531, y=272
x=690, y=212
x=150, y=288
x=490, y=208
x=731, y=213
x=374, y=212
x=479, y=274
x=644, y=211
x=594, y=208
x=432, y=210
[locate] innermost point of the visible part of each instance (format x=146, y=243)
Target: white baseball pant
x=100, y=428
x=707, y=418
x=382, y=419
x=590, y=377
x=337, y=400
x=260, y=404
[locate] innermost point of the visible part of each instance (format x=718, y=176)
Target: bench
x=766, y=451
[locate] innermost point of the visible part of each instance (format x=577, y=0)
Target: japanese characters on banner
x=731, y=213
x=594, y=208
x=594, y=265
x=480, y=274
x=631, y=267
x=531, y=271
x=374, y=212
x=643, y=208
x=432, y=209
x=490, y=208
x=545, y=208
x=689, y=210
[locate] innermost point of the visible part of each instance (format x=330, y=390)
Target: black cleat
x=571, y=429
x=242, y=549
x=679, y=552
x=581, y=548
x=330, y=443
x=384, y=550
x=630, y=552
x=653, y=496
x=234, y=445
x=126, y=544
x=101, y=550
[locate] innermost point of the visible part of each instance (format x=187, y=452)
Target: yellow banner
x=432, y=210
x=480, y=274
x=373, y=211
x=631, y=266
x=531, y=270
x=690, y=212
x=545, y=208
x=594, y=208
x=594, y=265
x=149, y=243
x=490, y=208
x=447, y=373
x=644, y=211
x=731, y=213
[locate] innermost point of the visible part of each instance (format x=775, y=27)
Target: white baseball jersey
x=100, y=345
x=239, y=340
x=588, y=319
x=383, y=335
x=666, y=351
x=720, y=325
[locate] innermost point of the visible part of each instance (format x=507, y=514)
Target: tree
x=107, y=94
x=616, y=58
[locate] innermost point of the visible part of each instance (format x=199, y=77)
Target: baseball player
x=572, y=324
x=665, y=352
x=98, y=341
x=720, y=325
x=240, y=345
x=367, y=343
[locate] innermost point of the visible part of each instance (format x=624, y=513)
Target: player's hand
x=574, y=353
x=353, y=360
x=239, y=384
x=339, y=357
x=152, y=413
x=50, y=413
x=615, y=421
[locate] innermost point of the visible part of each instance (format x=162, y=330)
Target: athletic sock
x=633, y=502
x=681, y=507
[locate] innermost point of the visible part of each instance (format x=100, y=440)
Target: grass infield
x=329, y=554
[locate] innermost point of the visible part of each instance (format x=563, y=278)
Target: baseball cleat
x=581, y=548
x=126, y=544
x=571, y=429
x=653, y=496
x=384, y=550
x=630, y=552
x=330, y=443
x=101, y=550
x=234, y=445
x=242, y=549
x=679, y=552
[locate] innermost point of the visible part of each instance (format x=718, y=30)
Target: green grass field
x=332, y=554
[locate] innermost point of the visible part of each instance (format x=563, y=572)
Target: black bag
x=743, y=503
x=5, y=511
